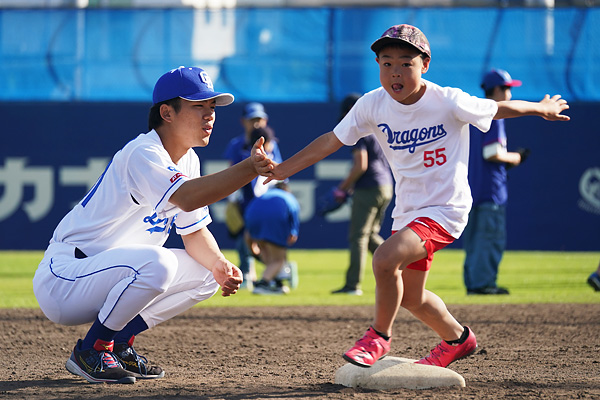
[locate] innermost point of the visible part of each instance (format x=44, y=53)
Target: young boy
x=423, y=130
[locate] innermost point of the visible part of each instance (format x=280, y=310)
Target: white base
x=397, y=373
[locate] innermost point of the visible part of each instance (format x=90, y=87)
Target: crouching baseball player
x=106, y=264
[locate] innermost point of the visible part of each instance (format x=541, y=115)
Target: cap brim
x=379, y=43
x=514, y=83
x=256, y=115
x=222, y=99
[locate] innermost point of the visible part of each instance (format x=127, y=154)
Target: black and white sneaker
x=136, y=364
x=98, y=364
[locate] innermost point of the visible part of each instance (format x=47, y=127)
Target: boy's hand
x=276, y=174
x=262, y=164
x=228, y=276
x=552, y=108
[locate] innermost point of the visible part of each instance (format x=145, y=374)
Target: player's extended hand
x=553, y=107
x=276, y=174
x=228, y=276
x=261, y=162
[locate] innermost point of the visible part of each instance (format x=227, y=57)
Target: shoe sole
x=140, y=376
x=358, y=364
x=73, y=368
x=468, y=354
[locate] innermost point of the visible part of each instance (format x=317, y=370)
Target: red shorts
x=434, y=236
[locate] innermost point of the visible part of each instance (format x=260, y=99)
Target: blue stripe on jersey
x=195, y=223
x=162, y=198
x=88, y=197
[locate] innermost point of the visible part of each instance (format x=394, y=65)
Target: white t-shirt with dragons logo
x=427, y=147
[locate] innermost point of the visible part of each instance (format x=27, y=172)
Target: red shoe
x=445, y=353
x=367, y=350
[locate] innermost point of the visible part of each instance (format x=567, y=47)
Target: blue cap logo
x=206, y=79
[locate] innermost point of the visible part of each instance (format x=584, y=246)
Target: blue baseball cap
x=254, y=110
x=189, y=83
x=498, y=77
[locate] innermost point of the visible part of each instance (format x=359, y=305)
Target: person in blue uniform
x=484, y=237
x=272, y=226
x=253, y=117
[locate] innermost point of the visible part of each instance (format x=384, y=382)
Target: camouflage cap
x=404, y=33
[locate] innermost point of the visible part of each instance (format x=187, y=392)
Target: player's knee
x=160, y=268
x=205, y=290
x=383, y=264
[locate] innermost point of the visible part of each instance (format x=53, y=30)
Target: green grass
x=532, y=277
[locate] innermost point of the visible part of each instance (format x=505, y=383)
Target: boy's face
x=400, y=70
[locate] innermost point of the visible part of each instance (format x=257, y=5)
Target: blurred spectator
x=370, y=184
x=485, y=235
x=254, y=116
x=272, y=225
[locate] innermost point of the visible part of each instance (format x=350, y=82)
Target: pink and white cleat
x=445, y=353
x=368, y=350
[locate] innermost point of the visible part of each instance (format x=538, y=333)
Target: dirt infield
x=525, y=352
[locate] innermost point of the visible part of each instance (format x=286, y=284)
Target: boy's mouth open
x=397, y=87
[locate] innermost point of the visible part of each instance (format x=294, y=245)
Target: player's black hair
x=266, y=132
x=154, y=118
x=490, y=92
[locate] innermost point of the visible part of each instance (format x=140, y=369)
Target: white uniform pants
x=117, y=284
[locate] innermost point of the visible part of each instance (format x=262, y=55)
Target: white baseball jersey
x=427, y=147
x=129, y=202
x=122, y=225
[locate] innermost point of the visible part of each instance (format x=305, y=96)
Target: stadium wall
x=53, y=152
x=74, y=87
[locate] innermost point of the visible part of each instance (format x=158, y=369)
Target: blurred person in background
x=272, y=226
x=485, y=234
x=253, y=116
x=370, y=184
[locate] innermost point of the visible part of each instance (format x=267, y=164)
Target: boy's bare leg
x=401, y=249
x=427, y=306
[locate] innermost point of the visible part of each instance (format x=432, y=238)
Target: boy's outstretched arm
x=549, y=108
x=315, y=151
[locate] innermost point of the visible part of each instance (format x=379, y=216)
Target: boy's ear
x=425, y=65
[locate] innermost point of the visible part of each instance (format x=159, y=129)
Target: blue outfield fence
x=75, y=86
x=288, y=55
